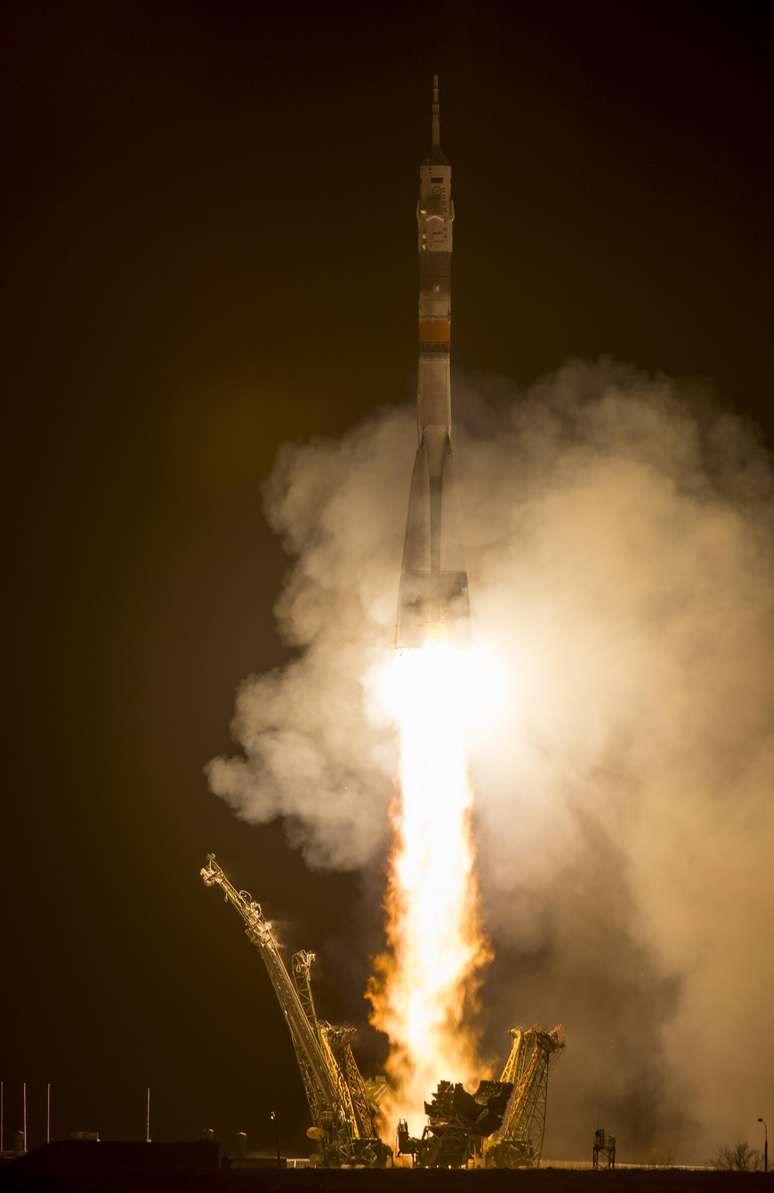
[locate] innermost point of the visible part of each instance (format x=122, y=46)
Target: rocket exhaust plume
x=424, y=994
x=426, y=985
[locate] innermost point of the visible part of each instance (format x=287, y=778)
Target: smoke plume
x=620, y=542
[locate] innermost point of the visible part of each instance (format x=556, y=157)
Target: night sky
x=211, y=250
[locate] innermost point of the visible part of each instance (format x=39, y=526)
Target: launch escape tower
x=341, y=1110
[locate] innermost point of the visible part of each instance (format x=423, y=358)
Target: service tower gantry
x=342, y=1115
x=518, y=1141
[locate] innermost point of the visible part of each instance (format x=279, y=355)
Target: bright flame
x=425, y=992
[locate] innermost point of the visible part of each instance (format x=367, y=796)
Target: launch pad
x=501, y=1125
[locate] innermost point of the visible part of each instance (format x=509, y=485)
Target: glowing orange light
x=425, y=990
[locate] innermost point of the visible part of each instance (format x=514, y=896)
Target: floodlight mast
x=765, y=1144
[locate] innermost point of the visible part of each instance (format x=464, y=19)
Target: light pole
x=273, y=1118
x=765, y=1144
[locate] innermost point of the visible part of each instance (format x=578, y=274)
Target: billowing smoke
x=620, y=544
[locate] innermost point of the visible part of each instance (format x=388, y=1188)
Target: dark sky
x=210, y=250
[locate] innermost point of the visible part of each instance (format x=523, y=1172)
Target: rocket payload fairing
x=433, y=597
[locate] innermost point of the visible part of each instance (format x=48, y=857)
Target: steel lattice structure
x=518, y=1141
x=342, y=1116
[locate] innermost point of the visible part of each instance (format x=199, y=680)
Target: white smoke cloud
x=315, y=750
x=621, y=553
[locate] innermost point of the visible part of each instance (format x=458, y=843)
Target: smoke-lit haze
x=620, y=546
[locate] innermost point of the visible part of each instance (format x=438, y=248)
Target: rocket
x=433, y=596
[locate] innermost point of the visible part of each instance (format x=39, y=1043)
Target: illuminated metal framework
x=502, y=1124
x=342, y=1115
x=518, y=1141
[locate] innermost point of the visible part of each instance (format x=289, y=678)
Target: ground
x=36, y=1176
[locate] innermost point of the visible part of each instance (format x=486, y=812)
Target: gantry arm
x=519, y=1138
x=320, y=1086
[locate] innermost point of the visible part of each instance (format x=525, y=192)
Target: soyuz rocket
x=433, y=597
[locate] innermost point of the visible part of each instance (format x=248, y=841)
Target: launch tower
x=341, y=1112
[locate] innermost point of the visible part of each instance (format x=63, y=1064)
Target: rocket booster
x=433, y=597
